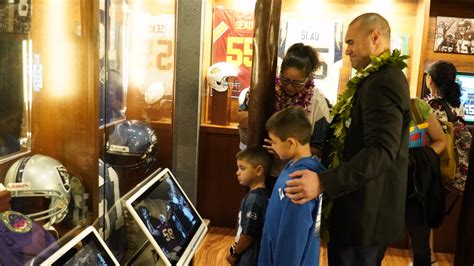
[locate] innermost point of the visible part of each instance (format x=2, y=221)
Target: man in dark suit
x=368, y=188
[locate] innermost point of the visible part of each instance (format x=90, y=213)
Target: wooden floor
x=214, y=249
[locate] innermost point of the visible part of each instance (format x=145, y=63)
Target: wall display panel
x=454, y=35
x=324, y=35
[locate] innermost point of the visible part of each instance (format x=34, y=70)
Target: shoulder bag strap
x=451, y=117
x=415, y=111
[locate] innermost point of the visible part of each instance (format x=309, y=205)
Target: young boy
x=253, y=165
x=289, y=234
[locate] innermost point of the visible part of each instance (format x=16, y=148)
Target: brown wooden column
x=265, y=48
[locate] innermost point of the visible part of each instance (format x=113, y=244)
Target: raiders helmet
x=41, y=176
x=218, y=73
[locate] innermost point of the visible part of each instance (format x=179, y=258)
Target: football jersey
x=111, y=217
x=232, y=39
x=152, y=51
x=465, y=43
x=22, y=240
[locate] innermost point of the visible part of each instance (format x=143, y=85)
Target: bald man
x=368, y=188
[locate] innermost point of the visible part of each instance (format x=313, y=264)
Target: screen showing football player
x=165, y=234
x=90, y=254
x=180, y=211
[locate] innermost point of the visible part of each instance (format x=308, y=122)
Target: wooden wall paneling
x=419, y=51
x=462, y=62
x=219, y=193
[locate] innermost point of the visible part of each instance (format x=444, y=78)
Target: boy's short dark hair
x=291, y=122
x=256, y=156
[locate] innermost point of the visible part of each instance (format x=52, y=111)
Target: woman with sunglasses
x=295, y=87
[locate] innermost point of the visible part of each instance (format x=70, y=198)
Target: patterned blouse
x=462, y=143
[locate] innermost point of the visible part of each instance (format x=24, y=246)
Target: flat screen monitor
x=168, y=218
x=466, y=81
x=87, y=248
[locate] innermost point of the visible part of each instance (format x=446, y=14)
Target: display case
x=86, y=115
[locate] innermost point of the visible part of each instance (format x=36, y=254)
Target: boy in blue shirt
x=291, y=232
x=253, y=166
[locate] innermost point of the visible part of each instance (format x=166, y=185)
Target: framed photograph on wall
x=454, y=35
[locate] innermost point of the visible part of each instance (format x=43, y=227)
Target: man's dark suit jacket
x=369, y=187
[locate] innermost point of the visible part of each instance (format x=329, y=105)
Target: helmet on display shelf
x=41, y=176
x=244, y=96
x=154, y=93
x=132, y=139
x=218, y=73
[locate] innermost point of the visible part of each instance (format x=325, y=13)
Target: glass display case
x=15, y=81
x=86, y=115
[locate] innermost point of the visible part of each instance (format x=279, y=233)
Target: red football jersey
x=232, y=39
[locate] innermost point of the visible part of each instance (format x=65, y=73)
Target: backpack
x=454, y=160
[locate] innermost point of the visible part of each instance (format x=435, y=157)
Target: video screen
x=467, y=94
x=168, y=217
x=91, y=253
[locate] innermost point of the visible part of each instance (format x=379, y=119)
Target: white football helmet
x=243, y=96
x=41, y=176
x=218, y=73
x=154, y=93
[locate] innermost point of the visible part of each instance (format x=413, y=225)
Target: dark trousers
x=419, y=233
x=356, y=256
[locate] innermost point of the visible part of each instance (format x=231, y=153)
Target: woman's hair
x=443, y=74
x=302, y=57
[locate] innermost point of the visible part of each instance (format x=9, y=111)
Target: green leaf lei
x=342, y=118
x=342, y=110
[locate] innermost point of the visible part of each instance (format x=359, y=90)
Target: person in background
x=415, y=218
x=367, y=187
x=290, y=234
x=441, y=82
x=295, y=87
x=253, y=164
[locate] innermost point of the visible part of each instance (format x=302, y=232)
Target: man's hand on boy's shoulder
x=307, y=187
x=231, y=259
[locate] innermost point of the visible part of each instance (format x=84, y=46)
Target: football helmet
x=132, y=138
x=154, y=93
x=41, y=176
x=244, y=96
x=218, y=73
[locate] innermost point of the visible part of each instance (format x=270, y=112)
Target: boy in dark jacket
x=253, y=166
